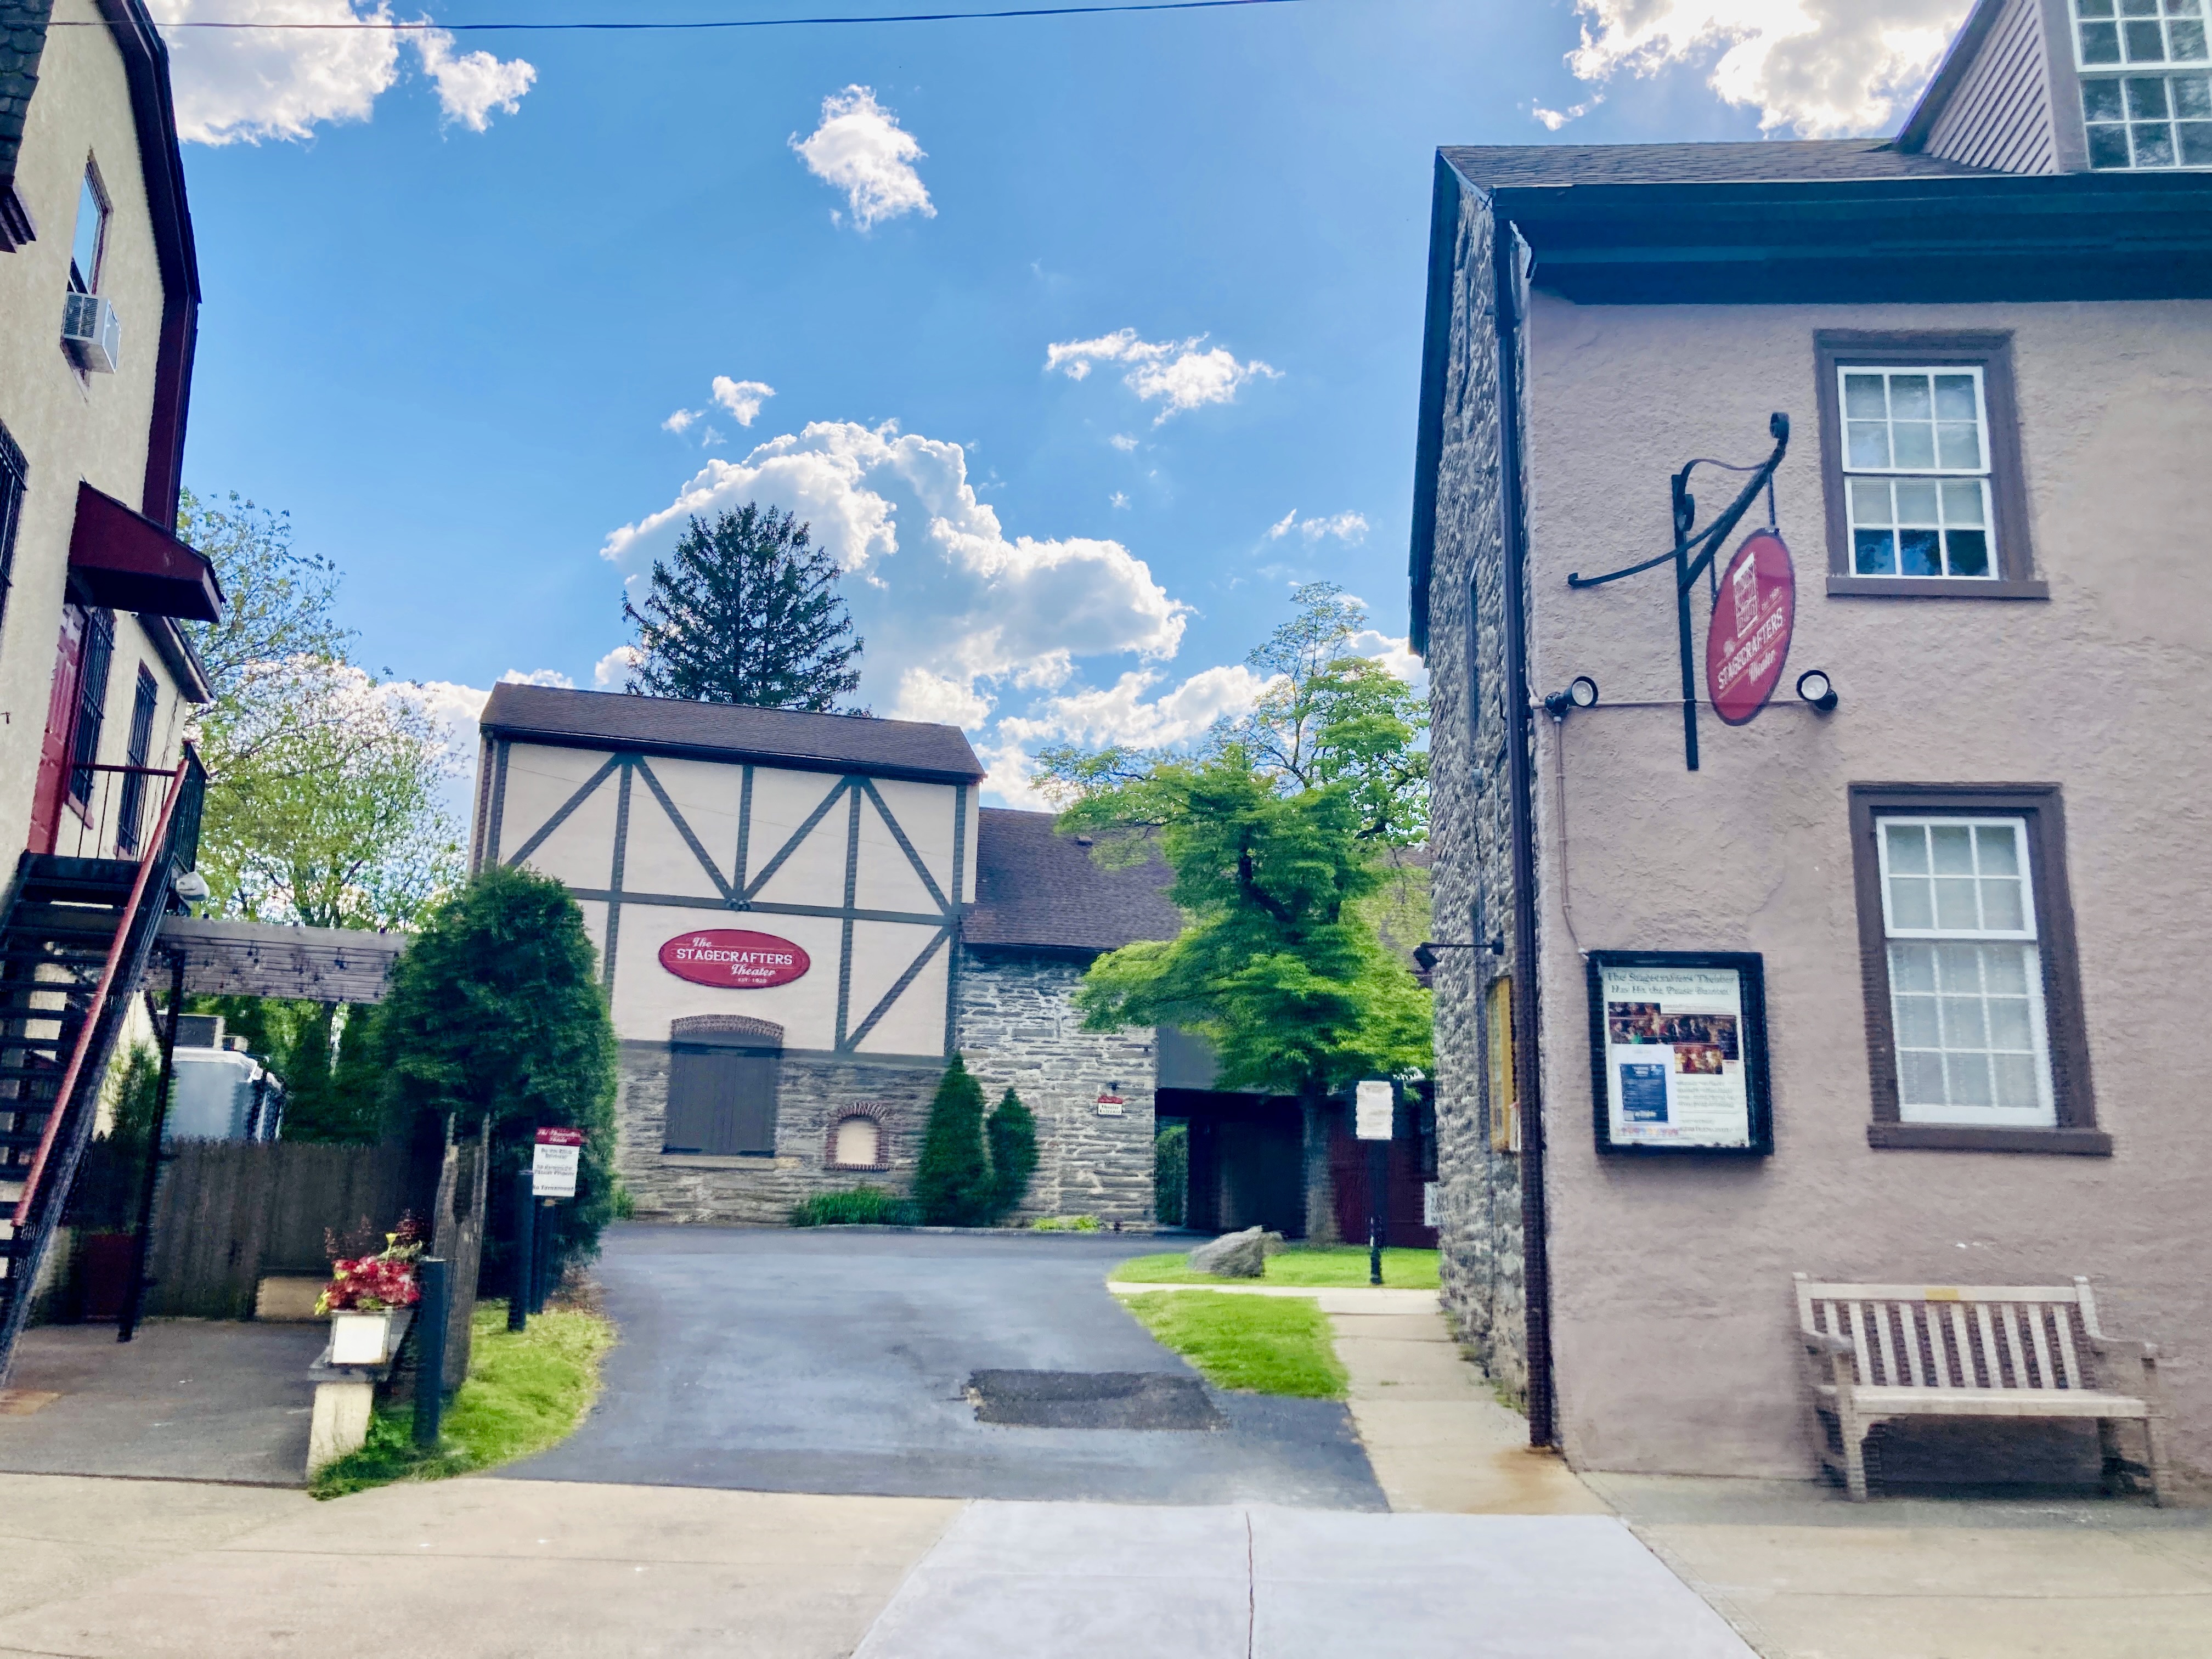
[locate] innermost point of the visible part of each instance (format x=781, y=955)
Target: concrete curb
x=1349, y=1298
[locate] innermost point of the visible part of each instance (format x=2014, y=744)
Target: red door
x=61, y=728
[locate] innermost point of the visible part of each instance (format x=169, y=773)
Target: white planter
x=360, y=1338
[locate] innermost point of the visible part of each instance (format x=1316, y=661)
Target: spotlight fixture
x=1580, y=693
x=192, y=887
x=1814, y=686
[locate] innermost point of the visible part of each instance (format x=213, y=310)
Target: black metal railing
x=110, y=811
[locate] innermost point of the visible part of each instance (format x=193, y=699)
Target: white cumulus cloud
x=957, y=613
x=1176, y=373
x=861, y=148
x=1344, y=526
x=611, y=672
x=1122, y=440
x=245, y=85
x=1817, y=68
x=742, y=399
x=681, y=421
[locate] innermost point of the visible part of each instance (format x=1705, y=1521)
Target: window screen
x=721, y=1101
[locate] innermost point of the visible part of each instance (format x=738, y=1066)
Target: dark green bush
x=952, y=1179
x=1012, y=1134
x=1170, y=1173
x=863, y=1207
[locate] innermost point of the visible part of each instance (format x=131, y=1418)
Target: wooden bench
x=1876, y=1352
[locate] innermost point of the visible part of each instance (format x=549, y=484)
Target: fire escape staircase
x=75, y=941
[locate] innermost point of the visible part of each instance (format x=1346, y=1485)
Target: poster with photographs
x=1678, y=1052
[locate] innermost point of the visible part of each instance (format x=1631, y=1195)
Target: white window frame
x=1992, y=565
x=2044, y=1114
x=103, y=208
x=2165, y=68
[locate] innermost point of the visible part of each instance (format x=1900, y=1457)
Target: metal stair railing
x=45, y=1182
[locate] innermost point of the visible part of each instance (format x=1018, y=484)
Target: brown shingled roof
x=725, y=732
x=1040, y=888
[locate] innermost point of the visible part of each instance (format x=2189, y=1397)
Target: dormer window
x=2146, y=76
x=90, y=247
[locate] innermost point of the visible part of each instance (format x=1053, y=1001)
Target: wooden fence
x=227, y=1212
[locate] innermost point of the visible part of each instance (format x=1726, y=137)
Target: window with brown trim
x=1973, y=990
x=1920, y=466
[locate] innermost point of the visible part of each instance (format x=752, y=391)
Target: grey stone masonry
x=1478, y=1190
x=813, y=1094
x=1017, y=1024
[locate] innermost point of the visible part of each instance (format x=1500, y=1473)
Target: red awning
x=125, y=562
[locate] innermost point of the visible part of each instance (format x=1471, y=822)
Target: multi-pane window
x=1965, y=974
x=2145, y=83
x=1917, y=471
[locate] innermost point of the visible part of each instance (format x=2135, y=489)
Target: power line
x=396, y=27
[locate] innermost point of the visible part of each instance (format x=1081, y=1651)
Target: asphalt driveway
x=835, y=1362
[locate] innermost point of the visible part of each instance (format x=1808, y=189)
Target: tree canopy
x=745, y=610
x=1287, y=832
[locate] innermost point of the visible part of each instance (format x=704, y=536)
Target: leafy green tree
x=1279, y=965
x=952, y=1177
x=1326, y=716
x=495, y=1012
x=1012, y=1134
x=746, y=610
x=277, y=601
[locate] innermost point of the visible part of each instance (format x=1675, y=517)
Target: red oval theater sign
x=1753, y=618
x=733, y=958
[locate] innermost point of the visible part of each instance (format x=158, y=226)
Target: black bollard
x=430, y=1315
x=526, y=1252
x=1378, y=1175
x=548, y=1236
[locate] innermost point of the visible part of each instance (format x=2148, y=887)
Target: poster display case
x=1678, y=1052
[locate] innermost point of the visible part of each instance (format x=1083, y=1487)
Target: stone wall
x=812, y=1094
x=1017, y=1024
x=1479, y=1190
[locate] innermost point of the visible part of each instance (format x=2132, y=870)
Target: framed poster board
x=1678, y=1052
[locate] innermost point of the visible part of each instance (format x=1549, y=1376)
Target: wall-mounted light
x=1814, y=686
x=1580, y=693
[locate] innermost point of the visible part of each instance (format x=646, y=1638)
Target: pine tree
x=952, y=1180
x=746, y=611
x=1012, y=1132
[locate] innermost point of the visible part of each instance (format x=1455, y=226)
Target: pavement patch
x=1091, y=1400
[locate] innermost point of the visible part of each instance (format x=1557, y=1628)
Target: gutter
x=1529, y=1080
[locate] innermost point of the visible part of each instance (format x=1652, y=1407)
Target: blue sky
x=451, y=353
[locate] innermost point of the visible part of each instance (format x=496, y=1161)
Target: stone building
x=800, y=919
x=1990, y=335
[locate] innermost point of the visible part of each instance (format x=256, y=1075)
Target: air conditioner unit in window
x=92, y=334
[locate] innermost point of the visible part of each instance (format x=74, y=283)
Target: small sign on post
x=553, y=1163
x=1374, y=1103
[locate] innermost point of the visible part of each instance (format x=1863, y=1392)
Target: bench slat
x=2035, y=1318
x=1882, y=1313
x=1965, y=1344
x=1910, y=1326
x=2045, y=1293
x=1942, y=1377
x=2066, y=1351
x=1859, y=1342
x=2010, y=1314
x=1992, y=1366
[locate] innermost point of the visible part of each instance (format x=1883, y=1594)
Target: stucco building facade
x=1992, y=340
x=801, y=918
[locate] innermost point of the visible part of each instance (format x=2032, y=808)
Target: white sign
x=1110, y=1106
x=1430, y=1216
x=553, y=1162
x=1372, y=1104
x=1673, y=1046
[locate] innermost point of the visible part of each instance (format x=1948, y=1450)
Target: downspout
x=1535, y=1255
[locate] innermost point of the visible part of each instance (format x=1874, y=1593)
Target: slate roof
x=709, y=730
x=1770, y=161
x=1040, y=888
x=22, y=43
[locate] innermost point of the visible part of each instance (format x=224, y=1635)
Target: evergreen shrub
x=1012, y=1134
x=952, y=1179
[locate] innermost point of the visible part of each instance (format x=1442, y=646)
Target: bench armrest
x=1826, y=1342
x=2122, y=1347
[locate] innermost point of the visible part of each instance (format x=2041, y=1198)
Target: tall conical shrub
x=952, y=1181
x=1012, y=1132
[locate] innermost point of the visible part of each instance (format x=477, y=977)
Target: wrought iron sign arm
x=1693, y=555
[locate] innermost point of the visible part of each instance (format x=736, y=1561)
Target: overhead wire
x=398, y=26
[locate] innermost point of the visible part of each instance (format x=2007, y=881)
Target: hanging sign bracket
x=1693, y=555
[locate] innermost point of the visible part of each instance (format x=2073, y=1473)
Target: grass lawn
x=1261, y=1344
x=524, y=1392
x=1334, y=1265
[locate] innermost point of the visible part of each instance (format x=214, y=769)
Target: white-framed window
x=89, y=248
x=1966, y=972
x=2146, y=76
x=1917, y=471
